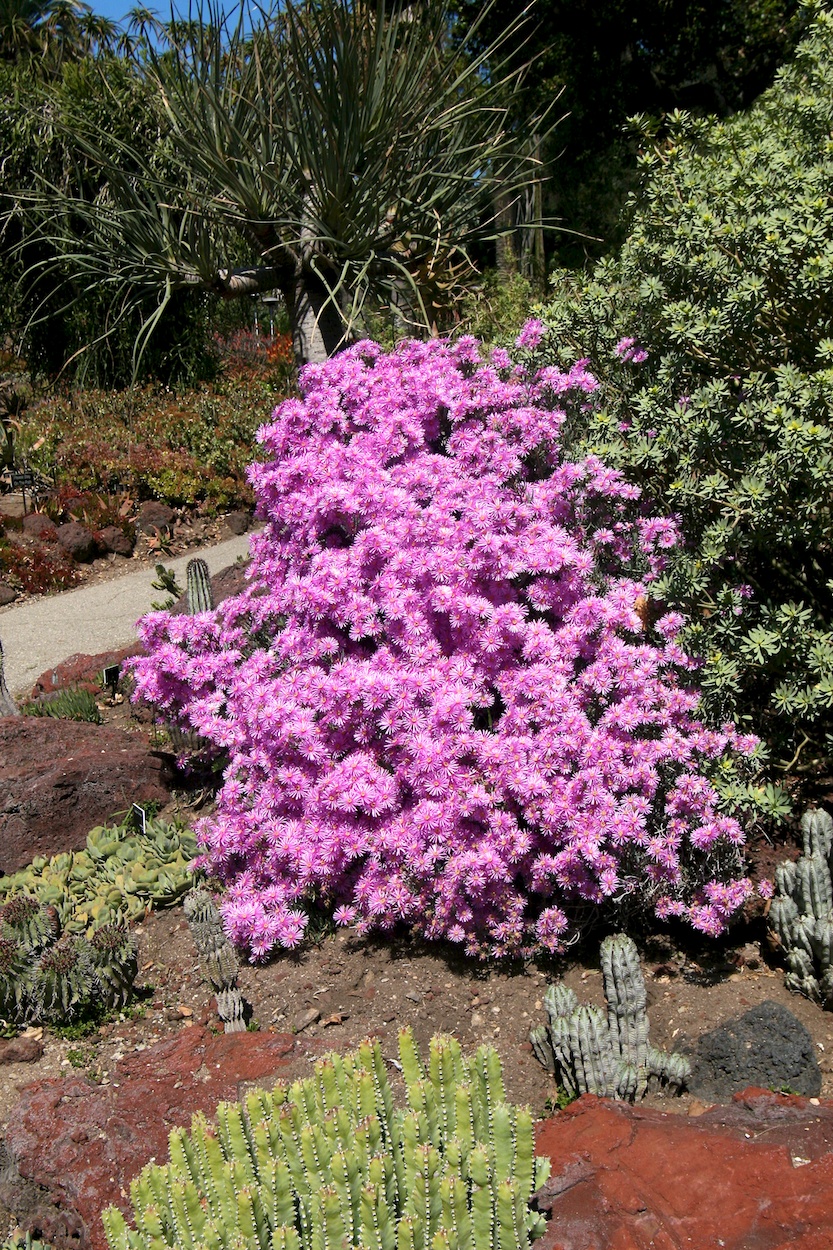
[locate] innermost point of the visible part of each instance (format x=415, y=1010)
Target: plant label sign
x=110, y=676
x=140, y=818
x=24, y=480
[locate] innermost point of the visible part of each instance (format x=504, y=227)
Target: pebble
x=305, y=1019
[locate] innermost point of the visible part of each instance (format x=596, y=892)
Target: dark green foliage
x=51, y=977
x=70, y=704
x=75, y=322
x=726, y=281
x=330, y=1163
x=612, y=60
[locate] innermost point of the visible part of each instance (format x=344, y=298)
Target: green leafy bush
x=712, y=333
x=329, y=1163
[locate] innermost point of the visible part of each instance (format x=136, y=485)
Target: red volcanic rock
x=755, y=1175
x=82, y=1143
x=60, y=778
x=81, y=670
x=78, y=541
x=113, y=538
x=154, y=516
x=38, y=525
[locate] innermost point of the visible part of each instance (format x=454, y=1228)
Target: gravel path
x=42, y=633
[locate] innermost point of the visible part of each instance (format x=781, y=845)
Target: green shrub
x=73, y=704
x=330, y=1163
x=725, y=280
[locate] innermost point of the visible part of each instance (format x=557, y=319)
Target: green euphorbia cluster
x=712, y=335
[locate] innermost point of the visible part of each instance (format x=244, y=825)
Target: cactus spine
x=801, y=912
x=8, y=707
x=329, y=1163
x=217, y=958
x=609, y=1055
x=198, y=587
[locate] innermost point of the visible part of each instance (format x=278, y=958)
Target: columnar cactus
x=217, y=958
x=801, y=912
x=330, y=1164
x=589, y=1052
x=198, y=587
x=8, y=707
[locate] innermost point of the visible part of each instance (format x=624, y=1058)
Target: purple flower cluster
x=629, y=349
x=438, y=696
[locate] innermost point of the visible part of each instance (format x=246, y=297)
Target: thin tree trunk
x=317, y=328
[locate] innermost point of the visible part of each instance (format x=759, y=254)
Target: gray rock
x=7, y=595
x=766, y=1047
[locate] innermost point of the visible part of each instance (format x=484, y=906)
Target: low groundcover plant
x=438, y=696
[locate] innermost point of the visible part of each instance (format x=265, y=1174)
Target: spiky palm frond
x=341, y=143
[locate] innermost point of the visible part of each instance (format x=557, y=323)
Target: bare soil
x=343, y=988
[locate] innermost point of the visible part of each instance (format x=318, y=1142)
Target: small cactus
x=606, y=1054
x=198, y=587
x=64, y=981
x=329, y=1162
x=114, y=958
x=801, y=911
x=217, y=958
x=31, y=924
x=51, y=979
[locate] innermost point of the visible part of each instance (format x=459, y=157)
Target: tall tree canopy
x=333, y=151
x=612, y=59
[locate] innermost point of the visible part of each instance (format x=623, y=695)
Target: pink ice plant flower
x=437, y=699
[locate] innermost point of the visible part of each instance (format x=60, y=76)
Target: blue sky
x=117, y=9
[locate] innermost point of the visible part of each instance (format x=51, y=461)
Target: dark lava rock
x=766, y=1046
x=40, y=526
x=7, y=595
x=237, y=522
x=82, y=1143
x=23, y=1049
x=756, y=1175
x=114, y=540
x=81, y=670
x=154, y=516
x=60, y=778
x=78, y=541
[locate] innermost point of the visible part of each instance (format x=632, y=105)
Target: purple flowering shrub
x=438, y=698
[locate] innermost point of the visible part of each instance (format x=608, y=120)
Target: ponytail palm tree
x=332, y=151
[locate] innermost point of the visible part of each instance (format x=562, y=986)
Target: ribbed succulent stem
x=610, y=1055
x=198, y=587
x=801, y=912
x=330, y=1164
